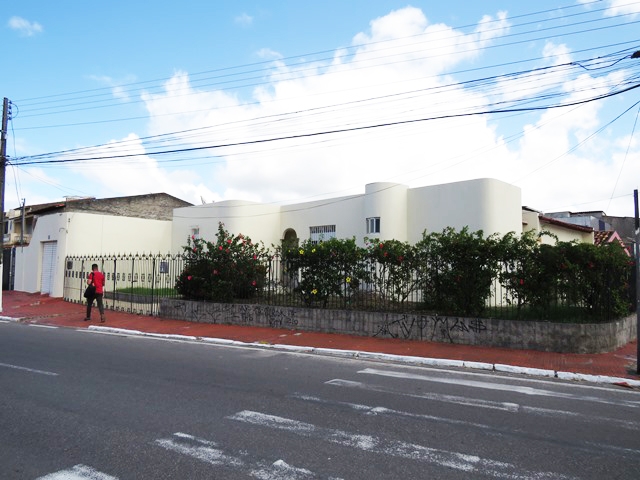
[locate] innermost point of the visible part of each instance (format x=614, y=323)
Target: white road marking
x=281, y=470
x=497, y=386
x=473, y=402
x=32, y=370
x=480, y=403
x=209, y=452
x=369, y=410
x=78, y=472
x=199, y=448
x=35, y=325
x=368, y=443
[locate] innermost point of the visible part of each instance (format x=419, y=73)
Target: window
x=321, y=233
x=373, y=225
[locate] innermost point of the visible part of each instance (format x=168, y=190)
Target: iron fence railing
x=136, y=283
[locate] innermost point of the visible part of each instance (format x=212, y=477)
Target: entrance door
x=49, y=251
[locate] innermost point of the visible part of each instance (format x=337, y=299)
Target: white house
x=384, y=210
x=87, y=226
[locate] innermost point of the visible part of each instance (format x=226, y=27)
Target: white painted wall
x=346, y=213
x=79, y=233
x=255, y=220
x=483, y=204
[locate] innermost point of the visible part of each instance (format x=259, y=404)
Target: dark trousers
x=98, y=299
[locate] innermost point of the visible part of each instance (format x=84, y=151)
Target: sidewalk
x=618, y=367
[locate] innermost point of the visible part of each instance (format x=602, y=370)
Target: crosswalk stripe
x=474, y=402
x=209, y=452
x=497, y=386
x=480, y=403
x=78, y=472
x=201, y=449
x=459, y=461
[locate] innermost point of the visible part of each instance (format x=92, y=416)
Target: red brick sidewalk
x=41, y=309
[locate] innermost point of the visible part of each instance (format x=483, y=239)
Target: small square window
x=373, y=225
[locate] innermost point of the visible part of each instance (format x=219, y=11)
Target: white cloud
x=622, y=7
x=244, y=19
x=25, y=27
x=136, y=175
x=391, y=73
x=118, y=89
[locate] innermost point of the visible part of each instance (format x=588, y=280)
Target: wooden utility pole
x=3, y=164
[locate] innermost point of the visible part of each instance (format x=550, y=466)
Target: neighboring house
x=601, y=222
x=563, y=231
x=610, y=236
x=42, y=236
x=384, y=210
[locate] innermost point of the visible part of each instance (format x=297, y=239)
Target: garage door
x=49, y=251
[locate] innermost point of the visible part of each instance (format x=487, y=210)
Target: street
x=76, y=404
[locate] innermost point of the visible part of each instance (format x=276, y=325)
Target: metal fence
x=136, y=283
x=133, y=283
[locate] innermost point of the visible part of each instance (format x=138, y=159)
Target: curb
x=410, y=360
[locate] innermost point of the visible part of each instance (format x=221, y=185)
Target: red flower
x=189, y=277
x=522, y=281
x=382, y=245
x=220, y=248
x=254, y=283
x=229, y=241
x=215, y=272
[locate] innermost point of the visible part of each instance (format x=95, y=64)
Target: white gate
x=49, y=251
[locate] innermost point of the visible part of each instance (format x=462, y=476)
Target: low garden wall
x=542, y=336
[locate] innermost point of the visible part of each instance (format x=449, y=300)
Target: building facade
x=88, y=226
x=385, y=211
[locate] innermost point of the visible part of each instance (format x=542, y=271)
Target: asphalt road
x=81, y=405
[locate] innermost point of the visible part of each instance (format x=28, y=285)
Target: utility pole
x=637, y=252
x=3, y=164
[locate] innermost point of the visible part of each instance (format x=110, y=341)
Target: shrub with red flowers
x=231, y=268
x=457, y=270
x=393, y=268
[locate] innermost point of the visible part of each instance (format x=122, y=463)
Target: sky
x=288, y=101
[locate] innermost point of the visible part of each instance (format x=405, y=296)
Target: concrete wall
x=260, y=222
x=542, y=336
x=77, y=233
x=346, y=213
x=484, y=204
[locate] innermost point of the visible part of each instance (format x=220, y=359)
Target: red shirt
x=98, y=281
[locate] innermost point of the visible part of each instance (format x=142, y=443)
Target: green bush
x=231, y=268
x=331, y=268
x=456, y=271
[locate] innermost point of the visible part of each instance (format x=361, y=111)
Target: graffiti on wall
x=429, y=327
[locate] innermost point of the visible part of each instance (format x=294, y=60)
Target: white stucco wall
x=85, y=234
x=346, y=213
x=260, y=222
x=484, y=204
x=388, y=201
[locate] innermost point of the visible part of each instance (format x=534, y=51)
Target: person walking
x=96, y=278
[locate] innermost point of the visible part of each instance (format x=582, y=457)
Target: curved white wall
x=484, y=204
x=389, y=202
